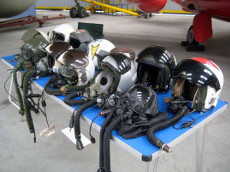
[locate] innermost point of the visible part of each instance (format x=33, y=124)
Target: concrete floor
x=56, y=153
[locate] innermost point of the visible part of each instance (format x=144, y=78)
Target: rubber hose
x=162, y=125
x=107, y=135
x=77, y=128
x=69, y=98
x=158, y=118
x=102, y=131
x=18, y=92
x=26, y=83
x=68, y=89
x=51, y=91
x=23, y=76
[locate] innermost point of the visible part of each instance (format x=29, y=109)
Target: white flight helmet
x=54, y=50
x=117, y=72
x=61, y=33
x=80, y=39
x=98, y=49
x=198, y=80
x=75, y=62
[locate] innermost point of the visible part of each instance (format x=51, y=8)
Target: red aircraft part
x=202, y=27
x=216, y=8
x=148, y=6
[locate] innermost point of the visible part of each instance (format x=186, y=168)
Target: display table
x=140, y=146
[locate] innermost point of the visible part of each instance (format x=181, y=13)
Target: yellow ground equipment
x=108, y=8
x=79, y=11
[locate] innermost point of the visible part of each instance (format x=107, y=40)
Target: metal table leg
x=200, y=146
x=147, y=166
x=155, y=164
x=10, y=91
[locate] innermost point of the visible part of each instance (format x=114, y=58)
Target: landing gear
x=148, y=15
x=81, y=12
x=191, y=44
x=145, y=15
x=73, y=12
x=78, y=11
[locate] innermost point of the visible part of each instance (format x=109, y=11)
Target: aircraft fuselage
x=9, y=8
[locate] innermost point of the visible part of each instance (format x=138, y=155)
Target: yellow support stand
x=109, y=8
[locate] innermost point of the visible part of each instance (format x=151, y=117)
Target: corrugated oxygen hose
x=20, y=101
x=77, y=128
x=107, y=135
x=160, y=116
x=102, y=131
x=162, y=125
x=67, y=89
x=26, y=84
x=69, y=98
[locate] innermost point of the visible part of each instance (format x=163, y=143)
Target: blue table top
x=141, y=144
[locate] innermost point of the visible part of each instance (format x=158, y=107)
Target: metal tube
x=147, y=166
x=9, y=96
x=197, y=151
x=155, y=164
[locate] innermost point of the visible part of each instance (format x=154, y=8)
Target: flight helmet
x=198, y=80
x=75, y=63
x=116, y=73
x=54, y=50
x=155, y=66
x=61, y=33
x=98, y=49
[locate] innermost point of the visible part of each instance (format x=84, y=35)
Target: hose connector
x=166, y=148
x=79, y=144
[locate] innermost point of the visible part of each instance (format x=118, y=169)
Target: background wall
x=70, y=3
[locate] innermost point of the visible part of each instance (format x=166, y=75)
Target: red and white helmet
x=199, y=80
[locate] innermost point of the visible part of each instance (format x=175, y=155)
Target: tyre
x=73, y=12
x=190, y=37
x=81, y=12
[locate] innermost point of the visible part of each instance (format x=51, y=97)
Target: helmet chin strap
x=194, y=101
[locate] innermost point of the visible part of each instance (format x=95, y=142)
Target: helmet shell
x=61, y=33
x=155, y=66
x=98, y=49
x=117, y=72
x=80, y=39
x=54, y=50
x=34, y=47
x=77, y=60
x=199, y=80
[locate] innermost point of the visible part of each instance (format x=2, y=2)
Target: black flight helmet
x=155, y=66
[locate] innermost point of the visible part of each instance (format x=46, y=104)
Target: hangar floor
x=57, y=154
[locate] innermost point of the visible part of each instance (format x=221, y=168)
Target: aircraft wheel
x=190, y=37
x=191, y=44
x=73, y=12
x=81, y=12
